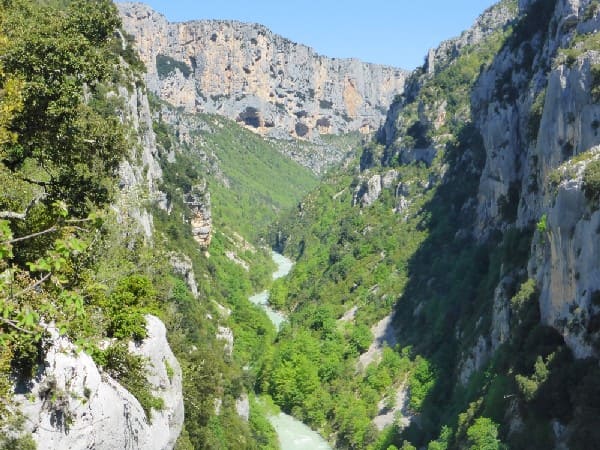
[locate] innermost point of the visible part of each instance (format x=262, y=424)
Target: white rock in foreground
x=72, y=406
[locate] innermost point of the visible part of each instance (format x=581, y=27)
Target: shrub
x=591, y=181
x=595, y=87
x=483, y=435
x=526, y=295
x=130, y=371
x=126, y=306
x=301, y=129
x=535, y=115
x=542, y=225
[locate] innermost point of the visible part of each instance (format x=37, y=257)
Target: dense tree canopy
x=52, y=142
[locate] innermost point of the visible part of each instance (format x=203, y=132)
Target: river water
x=292, y=434
x=284, y=265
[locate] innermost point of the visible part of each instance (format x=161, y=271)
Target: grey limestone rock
x=72, y=405
x=226, y=335
x=140, y=173
x=198, y=200
x=566, y=258
x=242, y=407
x=182, y=265
x=268, y=83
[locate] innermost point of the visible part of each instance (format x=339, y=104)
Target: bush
x=535, y=115
x=595, y=88
x=483, y=435
x=591, y=181
x=130, y=371
x=526, y=295
x=126, y=306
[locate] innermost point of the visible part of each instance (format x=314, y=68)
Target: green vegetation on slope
x=65, y=257
x=368, y=257
x=262, y=182
x=424, y=260
x=250, y=181
x=58, y=161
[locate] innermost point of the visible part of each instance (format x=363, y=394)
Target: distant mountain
x=247, y=73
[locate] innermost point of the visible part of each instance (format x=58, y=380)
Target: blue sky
x=393, y=32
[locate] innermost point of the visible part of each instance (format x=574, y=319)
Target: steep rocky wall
x=520, y=152
x=566, y=260
x=537, y=114
x=536, y=107
x=247, y=73
x=490, y=21
x=198, y=200
x=73, y=405
x=140, y=173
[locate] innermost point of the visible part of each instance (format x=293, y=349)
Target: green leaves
x=483, y=435
x=57, y=258
x=43, y=117
x=5, y=238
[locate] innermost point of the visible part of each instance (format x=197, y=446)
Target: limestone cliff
x=538, y=113
x=535, y=108
x=247, y=73
x=140, y=173
x=198, y=200
x=504, y=122
x=73, y=405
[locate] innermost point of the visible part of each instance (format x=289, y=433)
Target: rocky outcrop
x=242, y=406
x=73, y=405
x=198, y=201
x=266, y=82
x=434, y=112
x=566, y=261
x=534, y=124
x=140, y=174
x=182, y=265
x=369, y=190
x=536, y=121
x=226, y=335
x=487, y=23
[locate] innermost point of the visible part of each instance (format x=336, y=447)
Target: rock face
x=535, y=112
x=434, y=112
x=140, y=174
x=198, y=200
x=182, y=265
x=533, y=127
x=520, y=152
x=247, y=73
x=566, y=261
x=72, y=405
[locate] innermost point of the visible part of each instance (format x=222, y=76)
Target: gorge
x=443, y=225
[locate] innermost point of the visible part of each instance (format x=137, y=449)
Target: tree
x=52, y=60
x=483, y=435
x=58, y=161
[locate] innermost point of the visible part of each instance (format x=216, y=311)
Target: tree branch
x=12, y=215
x=23, y=215
x=34, y=285
x=13, y=323
x=30, y=236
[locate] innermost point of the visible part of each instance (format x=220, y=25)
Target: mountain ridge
x=270, y=84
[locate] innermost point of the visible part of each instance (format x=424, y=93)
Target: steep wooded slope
x=475, y=214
